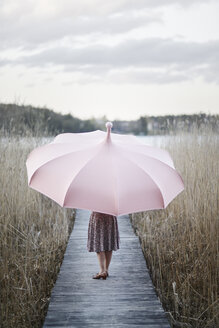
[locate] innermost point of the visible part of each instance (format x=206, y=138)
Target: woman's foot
x=100, y=275
x=97, y=276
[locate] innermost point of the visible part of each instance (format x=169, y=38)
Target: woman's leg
x=108, y=256
x=102, y=261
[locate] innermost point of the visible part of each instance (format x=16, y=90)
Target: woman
x=103, y=238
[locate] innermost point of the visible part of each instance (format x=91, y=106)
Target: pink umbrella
x=104, y=172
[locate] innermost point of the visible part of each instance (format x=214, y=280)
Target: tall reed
x=33, y=235
x=180, y=243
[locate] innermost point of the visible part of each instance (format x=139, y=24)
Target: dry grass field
x=180, y=243
x=33, y=236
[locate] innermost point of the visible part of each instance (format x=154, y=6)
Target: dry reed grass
x=33, y=237
x=180, y=243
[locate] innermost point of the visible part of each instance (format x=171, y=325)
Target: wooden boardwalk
x=125, y=299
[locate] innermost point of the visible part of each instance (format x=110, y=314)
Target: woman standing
x=103, y=238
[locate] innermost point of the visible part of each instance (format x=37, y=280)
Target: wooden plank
x=126, y=298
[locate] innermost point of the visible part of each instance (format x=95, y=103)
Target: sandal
x=100, y=275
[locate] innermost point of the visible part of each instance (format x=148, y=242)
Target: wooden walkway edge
x=125, y=299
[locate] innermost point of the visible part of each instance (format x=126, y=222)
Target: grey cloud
x=132, y=4
x=178, y=60
x=27, y=26
x=32, y=31
x=140, y=61
x=154, y=51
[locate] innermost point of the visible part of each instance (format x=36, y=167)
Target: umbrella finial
x=109, y=126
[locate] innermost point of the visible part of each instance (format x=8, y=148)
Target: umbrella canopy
x=104, y=172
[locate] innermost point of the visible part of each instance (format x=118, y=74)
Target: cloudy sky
x=119, y=58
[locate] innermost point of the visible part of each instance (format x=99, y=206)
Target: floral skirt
x=103, y=233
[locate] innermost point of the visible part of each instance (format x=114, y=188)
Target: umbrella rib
x=116, y=187
x=79, y=172
x=154, y=158
x=148, y=176
x=173, y=169
x=55, y=158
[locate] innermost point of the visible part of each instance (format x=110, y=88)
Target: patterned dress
x=103, y=233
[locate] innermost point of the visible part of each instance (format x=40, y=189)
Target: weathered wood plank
x=126, y=298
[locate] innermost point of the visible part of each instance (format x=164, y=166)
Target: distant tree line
x=138, y=127
x=16, y=119
x=170, y=124
x=23, y=120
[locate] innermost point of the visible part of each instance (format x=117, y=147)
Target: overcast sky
x=119, y=58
